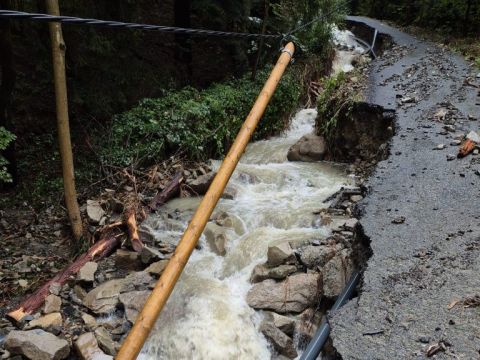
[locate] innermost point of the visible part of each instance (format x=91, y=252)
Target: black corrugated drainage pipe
x=321, y=336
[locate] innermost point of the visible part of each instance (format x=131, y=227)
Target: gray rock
x=37, y=345
x=313, y=256
x=87, y=348
x=281, y=272
x=279, y=340
x=294, y=294
x=261, y=272
x=53, y=303
x=309, y=148
x=127, y=260
x=95, y=212
x=157, y=267
x=229, y=193
x=133, y=302
x=200, y=185
x=336, y=273
x=284, y=323
x=47, y=322
x=351, y=224
x=280, y=254
x=89, y=321
x=87, y=272
x=451, y=157
x=149, y=255
x=216, y=238
x=105, y=341
x=104, y=298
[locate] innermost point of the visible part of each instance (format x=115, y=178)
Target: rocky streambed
x=277, y=251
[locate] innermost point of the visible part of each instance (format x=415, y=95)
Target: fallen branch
x=170, y=191
x=98, y=251
x=132, y=227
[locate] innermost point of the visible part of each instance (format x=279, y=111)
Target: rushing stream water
x=207, y=316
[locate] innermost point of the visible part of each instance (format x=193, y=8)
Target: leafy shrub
x=200, y=123
x=6, y=138
x=330, y=101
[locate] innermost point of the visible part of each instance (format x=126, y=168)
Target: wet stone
x=36, y=345
x=280, y=254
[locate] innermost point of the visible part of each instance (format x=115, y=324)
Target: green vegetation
x=6, y=138
x=335, y=97
x=446, y=16
x=199, y=123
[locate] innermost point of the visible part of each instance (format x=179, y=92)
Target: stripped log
x=132, y=227
x=170, y=191
x=98, y=251
x=467, y=147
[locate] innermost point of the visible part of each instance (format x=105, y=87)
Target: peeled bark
x=132, y=227
x=98, y=251
x=58, y=54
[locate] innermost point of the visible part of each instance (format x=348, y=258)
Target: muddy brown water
x=207, y=316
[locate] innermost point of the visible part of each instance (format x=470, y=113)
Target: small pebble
x=451, y=157
x=440, y=147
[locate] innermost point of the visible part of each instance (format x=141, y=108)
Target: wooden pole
x=164, y=287
x=58, y=54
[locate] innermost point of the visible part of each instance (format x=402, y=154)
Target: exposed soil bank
x=421, y=215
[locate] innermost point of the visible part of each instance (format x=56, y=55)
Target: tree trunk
x=58, y=54
x=98, y=251
x=260, y=45
x=466, y=22
x=7, y=85
x=183, y=49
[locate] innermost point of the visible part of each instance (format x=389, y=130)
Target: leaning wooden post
x=58, y=54
x=164, y=287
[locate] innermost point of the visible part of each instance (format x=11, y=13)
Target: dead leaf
x=453, y=304
x=435, y=348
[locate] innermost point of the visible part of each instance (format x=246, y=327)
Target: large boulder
x=309, y=148
x=37, y=345
x=104, y=298
x=281, y=342
x=337, y=272
x=294, y=294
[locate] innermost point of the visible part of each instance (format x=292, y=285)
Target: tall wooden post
x=58, y=54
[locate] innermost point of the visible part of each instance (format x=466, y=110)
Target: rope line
x=20, y=15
